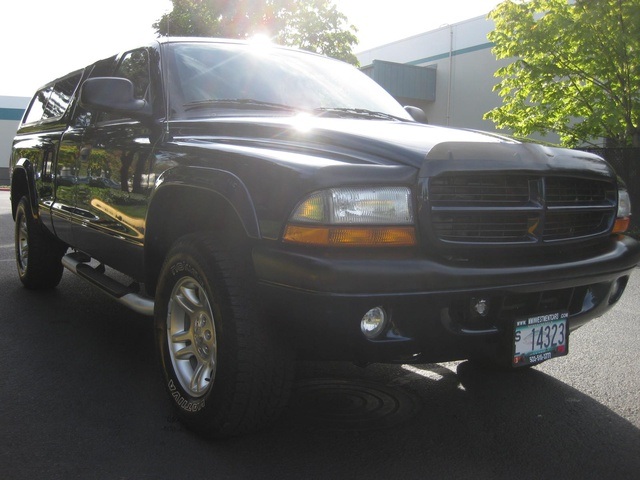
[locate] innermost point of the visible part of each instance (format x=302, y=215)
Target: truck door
x=113, y=178
x=64, y=212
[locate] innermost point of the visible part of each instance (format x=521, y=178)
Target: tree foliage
x=313, y=25
x=575, y=69
x=318, y=26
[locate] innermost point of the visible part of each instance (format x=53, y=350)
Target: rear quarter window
x=52, y=102
x=38, y=103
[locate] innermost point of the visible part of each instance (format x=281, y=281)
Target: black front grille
x=486, y=189
x=518, y=209
x=575, y=224
x=482, y=227
x=576, y=191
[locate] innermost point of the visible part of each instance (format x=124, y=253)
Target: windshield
x=219, y=79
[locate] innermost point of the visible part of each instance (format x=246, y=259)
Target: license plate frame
x=541, y=337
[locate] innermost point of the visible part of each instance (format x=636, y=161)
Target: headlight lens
x=357, y=206
x=624, y=204
x=355, y=217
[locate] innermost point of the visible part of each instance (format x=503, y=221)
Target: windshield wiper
x=243, y=103
x=355, y=112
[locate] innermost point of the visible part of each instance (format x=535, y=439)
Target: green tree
x=575, y=69
x=313, y=25
x=318, y=26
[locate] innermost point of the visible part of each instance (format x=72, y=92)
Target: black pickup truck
x=263, y=203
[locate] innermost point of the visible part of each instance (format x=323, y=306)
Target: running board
x=76, y=262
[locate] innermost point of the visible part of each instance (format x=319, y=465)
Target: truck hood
x=431, y=149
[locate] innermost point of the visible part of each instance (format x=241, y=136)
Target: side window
x=61, y=96
x=52, y=102
x=104, y=68
x=38, y=104
x=134, y=66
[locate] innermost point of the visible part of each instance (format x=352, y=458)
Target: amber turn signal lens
x=621, y=225
x=351, y=236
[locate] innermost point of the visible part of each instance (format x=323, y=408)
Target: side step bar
x=76, y=262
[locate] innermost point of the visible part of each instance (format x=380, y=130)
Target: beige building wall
x=465, y=69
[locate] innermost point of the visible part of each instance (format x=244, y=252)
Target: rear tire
x=38, y=252
x=223, y=368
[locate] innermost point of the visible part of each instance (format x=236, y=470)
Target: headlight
x=354, y=217
x=624, y=212
x=348, y=206
x=624, y=204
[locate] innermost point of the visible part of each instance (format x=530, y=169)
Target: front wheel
x=38, y=252
x=221, y=362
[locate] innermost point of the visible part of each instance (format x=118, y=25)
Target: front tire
x=38, y=252
x=221, y=363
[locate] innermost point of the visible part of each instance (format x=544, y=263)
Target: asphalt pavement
x=81, y=398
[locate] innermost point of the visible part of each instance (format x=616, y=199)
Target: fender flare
x=24, y=165
x=216, y=181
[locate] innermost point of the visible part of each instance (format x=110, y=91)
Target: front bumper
x=320, y=299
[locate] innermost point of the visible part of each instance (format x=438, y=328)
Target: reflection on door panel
x=112, y=186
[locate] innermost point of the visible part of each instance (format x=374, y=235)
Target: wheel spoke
x=198, y=375
x=188, y=299
x=182, y=337
x=192, y=293
x=184, y=303
x=185, y=353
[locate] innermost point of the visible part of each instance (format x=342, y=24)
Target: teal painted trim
x=11, y=113
x=455, y=53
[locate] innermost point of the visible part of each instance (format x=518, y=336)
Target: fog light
x=618, y=289
x=480, y=306
x=373, y=322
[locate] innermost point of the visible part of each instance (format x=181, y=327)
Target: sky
x=45, y=39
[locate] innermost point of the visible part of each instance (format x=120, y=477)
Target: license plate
x=539, y=338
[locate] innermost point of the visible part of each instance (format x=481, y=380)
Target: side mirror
x=113, y=95
x=417, y=114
